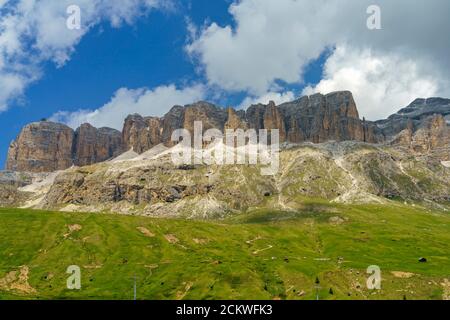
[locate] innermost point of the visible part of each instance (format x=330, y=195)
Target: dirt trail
x=253, y=240
x=279, y=178
x=353, y=190
x=413, y=179
x=356, y=192
x=260, y=250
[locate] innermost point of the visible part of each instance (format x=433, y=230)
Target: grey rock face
x=143, y=133
x=421, y=108
x=94, y=145
x=345, y=172
x=47, y=146
x=15, y=179
x=431, y=137
x=321, y=118
x=41, y=146
x=317, y=118
x=414, y=116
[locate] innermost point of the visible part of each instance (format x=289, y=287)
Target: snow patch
x=130, y=154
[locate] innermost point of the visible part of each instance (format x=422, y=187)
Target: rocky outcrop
x=10, y=182
x=414, y=116
x=274, y=120
x=140, y=134
x=41, y=146
x=47, y=146
x=210, y=115
x=317, y=118
x=295, y=134
x=15, y=179
x=348, y=172
x=421, y=127
x=94, y=145
x=235, y=120
x=431, y=137
x=321, y=118
x=172, y=120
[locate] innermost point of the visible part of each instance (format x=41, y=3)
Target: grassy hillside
x=261, y=255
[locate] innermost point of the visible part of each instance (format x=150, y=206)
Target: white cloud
x=33, y=31
x=125, y=101
x=268, y=43
x=276, y=39
x=277, y=97
x=378, y=82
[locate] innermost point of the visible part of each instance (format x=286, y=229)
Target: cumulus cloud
x=378, y=83
x=267, y=44
x=276, y=40
x=125, y=101
x=33, y=31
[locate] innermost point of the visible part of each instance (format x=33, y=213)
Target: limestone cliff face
x=317, y=119
x=41, y=146
x=171, y=121
x=274, y=120
x=432, y=136
x=320, y=118
x=141, y=133
x=348, y=172
x=210, y=115
x=421, y=127
x=94, y=145
x=235, y=120
x=46, y=146
x=295, y=134
x=414, y=116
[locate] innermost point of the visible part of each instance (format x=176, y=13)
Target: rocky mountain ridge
x=329, y=153
x=317, y=118
x=339, y=172
x=46, y=146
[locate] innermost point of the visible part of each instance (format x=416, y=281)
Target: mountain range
x=46, y=146
x=327, y=153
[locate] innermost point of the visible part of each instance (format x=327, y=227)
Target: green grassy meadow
x=257, y=255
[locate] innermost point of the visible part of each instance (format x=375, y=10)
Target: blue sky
x=148, y=53
x=231, y=53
